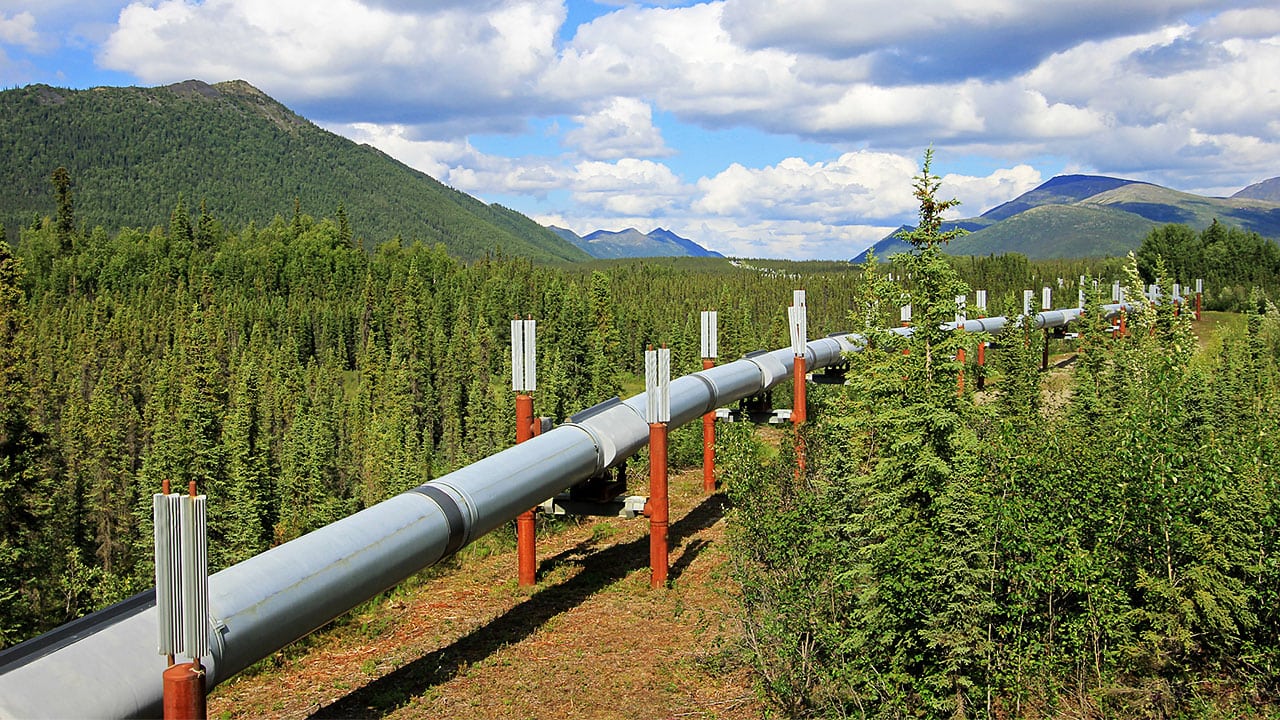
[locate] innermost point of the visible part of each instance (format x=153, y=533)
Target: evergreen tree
x=22, y=510
x=65, y=223
x=606, y=356
x=180, y=223
x=344, y=226
x=885, y=559
x=207, y=231
x=244, y=527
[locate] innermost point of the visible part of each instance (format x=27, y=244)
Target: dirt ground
x=591, y=640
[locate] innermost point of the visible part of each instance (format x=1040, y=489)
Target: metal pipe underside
x=106, y=664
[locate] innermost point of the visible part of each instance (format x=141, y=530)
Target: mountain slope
x=632, y=243
x=891, y=244
x=131, y=151
x=1268, y=190
x=1164, y=205
x=1091, y=215
x=1058, y=231
x=1059, y=190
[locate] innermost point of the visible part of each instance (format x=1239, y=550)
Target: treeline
x=1111, y=549
x=297, y=378
x=294, y=376
x=1231, y=261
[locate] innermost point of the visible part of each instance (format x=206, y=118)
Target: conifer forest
x=1108, y=545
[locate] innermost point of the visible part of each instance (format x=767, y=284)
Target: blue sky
x=754, y=127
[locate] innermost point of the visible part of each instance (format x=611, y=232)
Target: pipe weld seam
x=711, y=390
x=595, y=440
x=452, y=515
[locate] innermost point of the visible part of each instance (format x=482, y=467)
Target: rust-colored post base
x=526, y=550
x=982, y=363
x=526, y=547
x=709, y=442
x=1197, y=307
x=657, y=508
x=1124, y=329
x=184, y=692
x=960, y=376
x=800, y=405
x=799, y=410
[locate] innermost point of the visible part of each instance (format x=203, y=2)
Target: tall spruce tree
x=866, y=589
x=65, y=222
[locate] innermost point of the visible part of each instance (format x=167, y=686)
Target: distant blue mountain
x=632, y=243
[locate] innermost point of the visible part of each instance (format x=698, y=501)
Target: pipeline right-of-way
x=106, y=664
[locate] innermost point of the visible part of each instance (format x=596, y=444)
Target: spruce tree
x=65, y=223
x=22, y=511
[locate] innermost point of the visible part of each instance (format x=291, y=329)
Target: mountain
x=1093, y=215
x=1072, y=231
x=132, y=151
x=1060, y=190
x=1268, y=190
x=632, y=243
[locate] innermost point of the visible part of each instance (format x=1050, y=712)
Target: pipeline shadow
x=598, y=570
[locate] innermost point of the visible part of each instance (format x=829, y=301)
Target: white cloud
x=682, y=58
x=920, y=39
x=356, y=60
x=1171, y=91
x=1173, y=104
x=627, y=187
x=620, y=127
x=855, y=186
x=791, y=239
x=19, y=29
x=1250, y=23
x=457, y=164
x=979, y=194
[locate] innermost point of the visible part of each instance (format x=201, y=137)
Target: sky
x=757, y=128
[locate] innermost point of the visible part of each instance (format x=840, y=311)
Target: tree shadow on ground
x=599, y=569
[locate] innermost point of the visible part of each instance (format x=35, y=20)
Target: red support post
x=184, y=692
x=709, y=442
x=982, y=362
x=526, y=548
x=1197, y=307
x=657, y=508
x=960, y=377
x=799, y=407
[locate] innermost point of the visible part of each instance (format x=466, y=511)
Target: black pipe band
x=452, y=515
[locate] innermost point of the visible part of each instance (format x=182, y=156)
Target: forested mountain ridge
x=131, y=151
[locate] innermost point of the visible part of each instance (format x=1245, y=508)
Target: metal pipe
x=268, y=601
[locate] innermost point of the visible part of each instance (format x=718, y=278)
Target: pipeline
x=106, y=665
